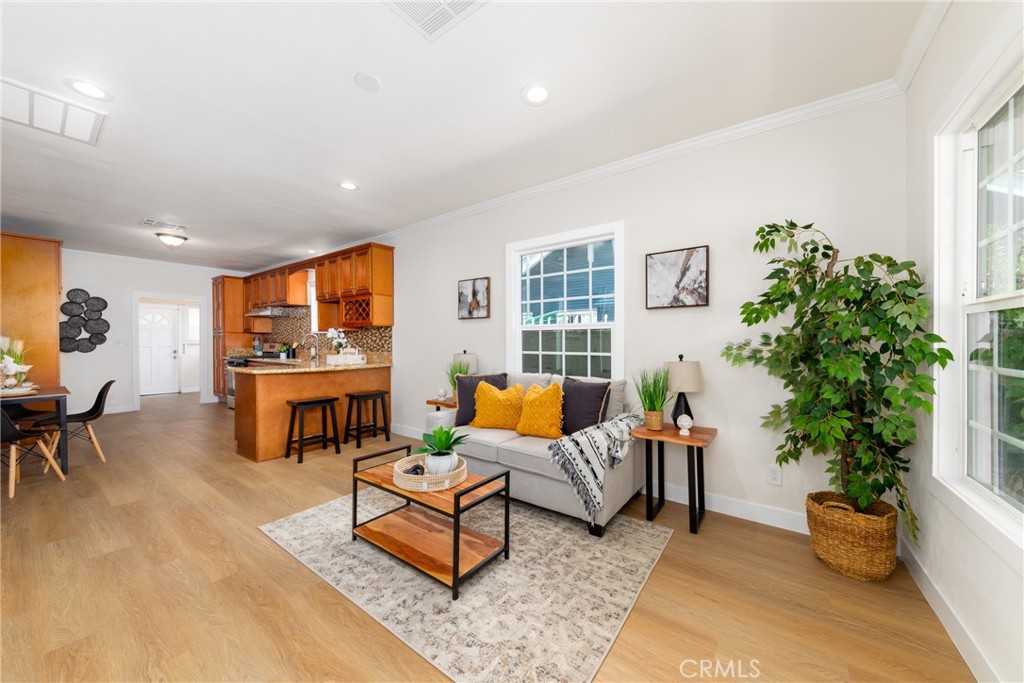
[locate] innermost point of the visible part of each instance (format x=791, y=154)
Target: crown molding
x=920, y=39
x=830, y=105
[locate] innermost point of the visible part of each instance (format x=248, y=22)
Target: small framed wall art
x=475, y=298
x=678, y=278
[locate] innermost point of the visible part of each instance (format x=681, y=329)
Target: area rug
x=549, y=613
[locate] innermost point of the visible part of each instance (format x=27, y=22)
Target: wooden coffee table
x=430, y=535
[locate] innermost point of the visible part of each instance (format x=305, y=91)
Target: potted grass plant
x=455, y=368
x=854, y=359
x=439, y=447
x=652, y=388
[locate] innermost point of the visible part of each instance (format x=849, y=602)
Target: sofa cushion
x=583, y=404
x=529, y=454
x=497, y=408
x=465, y=392
x=542, y=412
x=616, y=403
x=528, y=379
x=484, y=443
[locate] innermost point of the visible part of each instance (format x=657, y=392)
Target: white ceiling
x=240, y=119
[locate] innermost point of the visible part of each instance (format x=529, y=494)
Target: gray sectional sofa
x=535, y=478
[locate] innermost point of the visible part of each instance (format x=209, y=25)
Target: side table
x=439, y=403
x=695, y=442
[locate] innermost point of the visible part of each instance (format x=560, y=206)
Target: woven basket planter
x=861, y=545
x=654, y=420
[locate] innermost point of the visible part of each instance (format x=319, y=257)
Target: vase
x=442, y=464
x=284, y=356
x=654, y=420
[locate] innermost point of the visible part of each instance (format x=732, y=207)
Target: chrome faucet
x=312, y=349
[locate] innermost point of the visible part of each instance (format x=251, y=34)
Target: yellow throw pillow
x=542, y=412
x=497, y=408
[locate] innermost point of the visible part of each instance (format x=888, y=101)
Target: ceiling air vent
x=162, y=225
x=37, y=109
x=433, y=18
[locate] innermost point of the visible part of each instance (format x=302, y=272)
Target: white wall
x=115, y=278
x=844, y=171
x=970, y=570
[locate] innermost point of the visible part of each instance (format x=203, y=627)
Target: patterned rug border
x=417, y=649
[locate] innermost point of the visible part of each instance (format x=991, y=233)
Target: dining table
x=42, y=394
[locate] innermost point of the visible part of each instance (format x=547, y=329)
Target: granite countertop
x=290, y=367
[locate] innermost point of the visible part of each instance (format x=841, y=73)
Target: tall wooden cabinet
x=229, y=326
x=30, y=298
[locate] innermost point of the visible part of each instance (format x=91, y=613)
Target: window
x=565, y=303
x=993, y=303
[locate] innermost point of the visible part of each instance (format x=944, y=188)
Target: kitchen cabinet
x=368, y=310
x=287, y=289
x=30, y=297
x=327, y=284
x=228, y=304
x=219, y=380
x=368, y=269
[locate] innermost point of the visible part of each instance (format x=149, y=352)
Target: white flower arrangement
x=12, y=361
x=338, y=338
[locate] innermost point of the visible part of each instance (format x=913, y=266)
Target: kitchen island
x=262, y=393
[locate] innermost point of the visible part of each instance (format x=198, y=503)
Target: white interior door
x=188, y=348
x=158, y=349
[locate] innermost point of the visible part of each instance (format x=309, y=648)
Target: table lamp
x=683, y=376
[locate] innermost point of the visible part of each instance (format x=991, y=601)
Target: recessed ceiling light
x=348, y=185
x=311, y=251
x=535, y=94
x=171, y=239
x=368, y=82
x=89, y=89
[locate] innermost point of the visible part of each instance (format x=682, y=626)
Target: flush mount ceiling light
x=311, y=251
x=368, y=82
x=348, y=185
x=37, y=109
x=89, y=89
x=535, y=94
x=171, y=239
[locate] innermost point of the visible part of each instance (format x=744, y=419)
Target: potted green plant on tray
x=439, y=447
x=652, y=388
x=854, y=360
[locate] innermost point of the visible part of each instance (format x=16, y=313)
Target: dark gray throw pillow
x=583, y=403
x=465, y=391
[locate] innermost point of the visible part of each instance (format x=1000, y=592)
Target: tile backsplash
x=294, y=327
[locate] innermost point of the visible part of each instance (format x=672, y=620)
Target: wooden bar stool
x=358, y=399
x=299, y=408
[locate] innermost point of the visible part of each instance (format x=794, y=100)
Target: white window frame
x=616, y=231
x=992, y=519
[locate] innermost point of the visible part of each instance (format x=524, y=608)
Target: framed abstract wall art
x=475, y=298
x=678, y=278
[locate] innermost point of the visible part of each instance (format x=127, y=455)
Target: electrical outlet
x=775, y=475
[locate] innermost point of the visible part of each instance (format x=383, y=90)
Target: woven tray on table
x=426, y=482
x=861, y=545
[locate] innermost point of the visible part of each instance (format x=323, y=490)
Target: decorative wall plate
x=79, y=296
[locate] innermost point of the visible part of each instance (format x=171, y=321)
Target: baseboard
x=976, y=660
x=403, y=430
x=126, y=408
x=744, y=509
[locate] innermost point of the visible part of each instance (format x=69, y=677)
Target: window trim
x=513, y=299
x=996, y=522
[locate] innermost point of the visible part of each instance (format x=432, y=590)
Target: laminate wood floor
x=152, y=567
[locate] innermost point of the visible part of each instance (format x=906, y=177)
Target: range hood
x=270, y=312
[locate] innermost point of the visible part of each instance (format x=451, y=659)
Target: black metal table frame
x=455, y=516
x=694, y=478
x=62, y=417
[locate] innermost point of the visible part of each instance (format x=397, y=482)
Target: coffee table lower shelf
x=427, y=532
x=424, y=540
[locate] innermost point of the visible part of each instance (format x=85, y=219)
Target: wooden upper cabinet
x=228, y=304
x=30, y=298
x=327, y=284
x=249, y=294
x=368, y=269
x=287, y=289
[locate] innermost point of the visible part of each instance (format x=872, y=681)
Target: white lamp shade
x=467, y=358
x=684, y=375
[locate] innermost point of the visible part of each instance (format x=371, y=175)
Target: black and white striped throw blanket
x=585, y=455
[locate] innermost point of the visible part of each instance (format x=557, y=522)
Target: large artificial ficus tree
x=854, y=359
